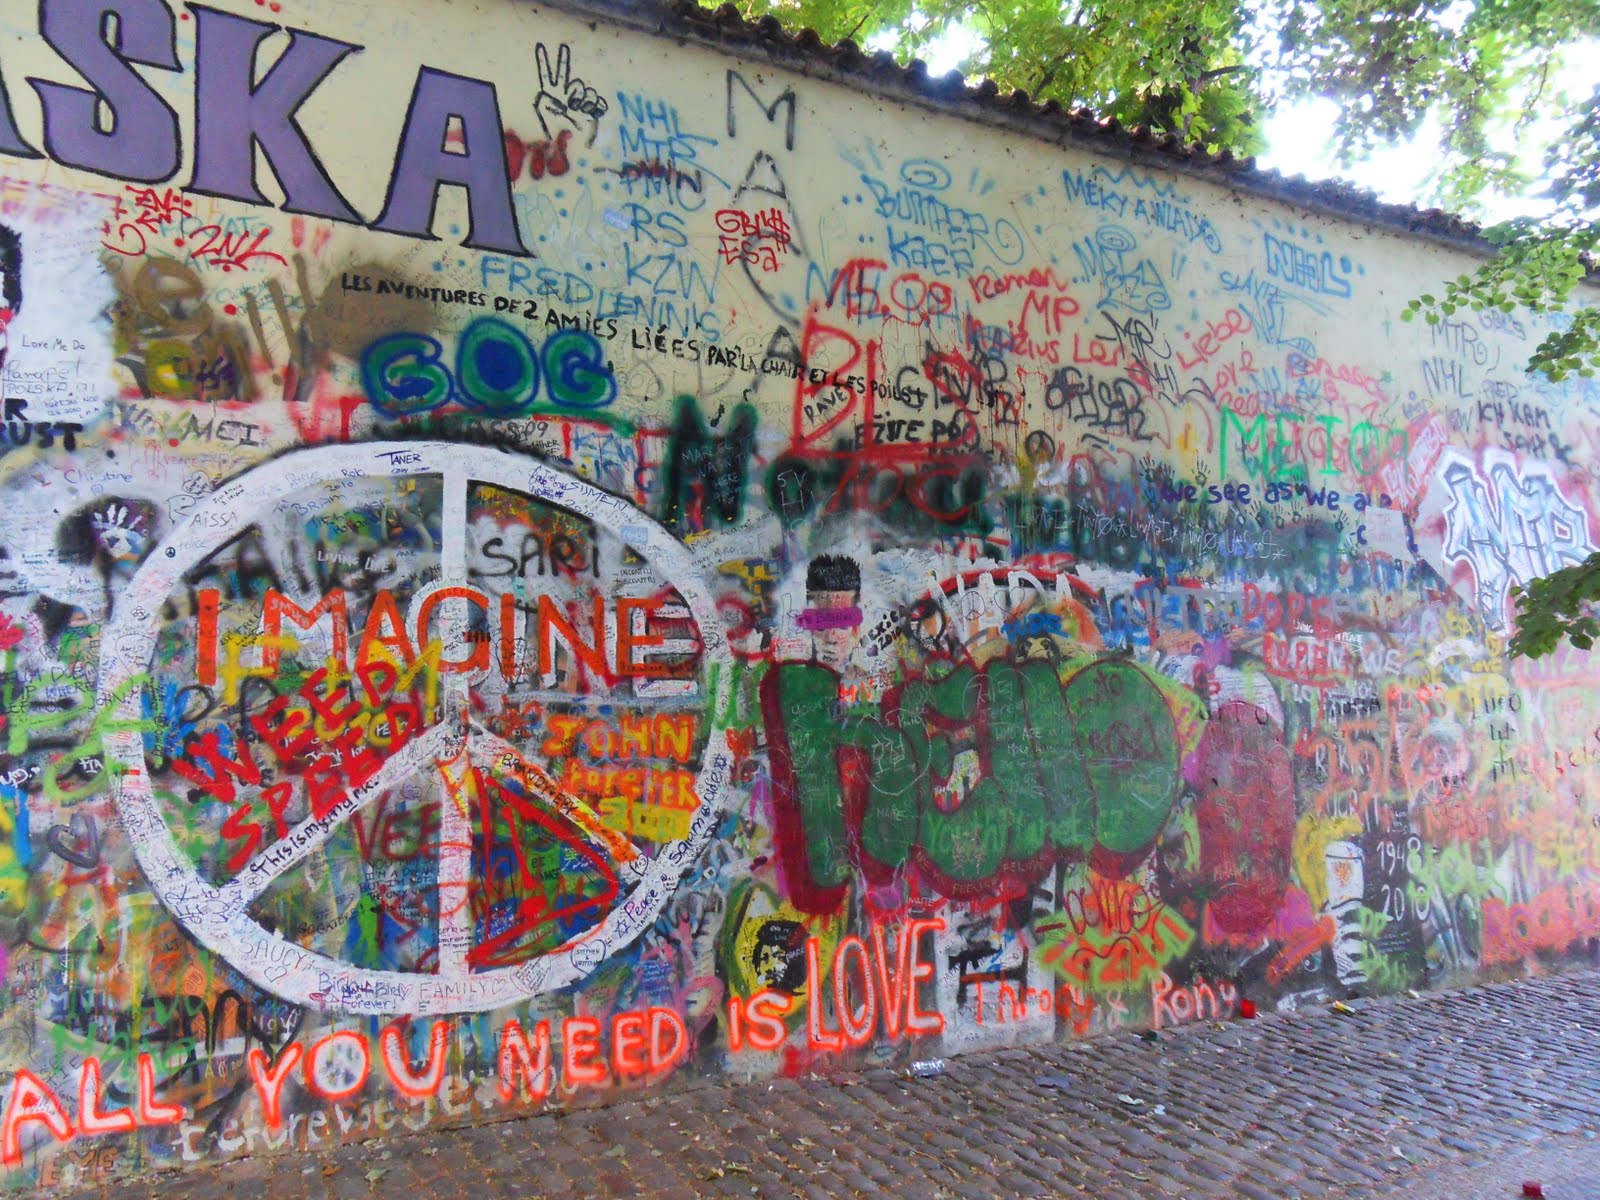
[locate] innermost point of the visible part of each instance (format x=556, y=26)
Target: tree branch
x=1206, y=77
x=856, y=28
x=1051, y=69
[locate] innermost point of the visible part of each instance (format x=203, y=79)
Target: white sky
x=1299, y=143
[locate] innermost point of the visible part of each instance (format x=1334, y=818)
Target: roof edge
x=804, y=52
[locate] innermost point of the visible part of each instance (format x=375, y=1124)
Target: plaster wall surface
x=540, y=560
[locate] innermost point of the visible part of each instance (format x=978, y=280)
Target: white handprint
x=120, y=532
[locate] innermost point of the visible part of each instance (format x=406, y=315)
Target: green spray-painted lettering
x=983, y=777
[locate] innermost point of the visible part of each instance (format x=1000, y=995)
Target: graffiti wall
x=541, y=560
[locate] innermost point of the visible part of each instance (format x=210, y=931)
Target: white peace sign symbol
x=217, y=914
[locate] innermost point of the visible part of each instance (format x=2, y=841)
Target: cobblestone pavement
x=1459, y=1095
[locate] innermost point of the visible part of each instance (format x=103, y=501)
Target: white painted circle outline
x=218, y=917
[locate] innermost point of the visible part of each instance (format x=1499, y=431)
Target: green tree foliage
x=1558, y=607
x=1173, y=65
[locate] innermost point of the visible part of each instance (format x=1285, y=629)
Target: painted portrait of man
x=780, y=956
x=833, y=613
